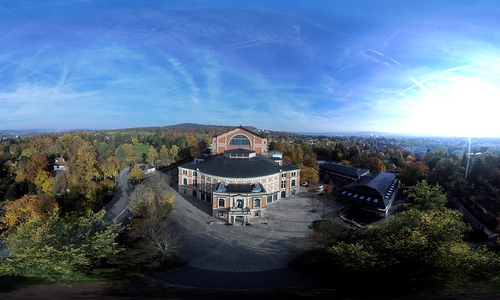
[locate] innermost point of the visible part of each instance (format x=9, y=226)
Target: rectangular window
x=294, y=174
x=185, y=172
x=283, y=184
x=275, y=197
x=222, y=202
x=269, y=199
x=283, y=175
x=194, y=173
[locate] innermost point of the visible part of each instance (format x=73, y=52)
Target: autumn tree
x=136, y=173
x=413, y=172
x=174, y=151
x=26, y=209
x=110, y=167
x=308, y=174
x=82, y=172
x=130, y=153
x=164, y=154
x=375, y=165
x=151, y=203
x=152, y=155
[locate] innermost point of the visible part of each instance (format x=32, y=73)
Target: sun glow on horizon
x=455, y=104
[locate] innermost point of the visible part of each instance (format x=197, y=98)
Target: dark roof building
x=340, y=174
x=373, y=193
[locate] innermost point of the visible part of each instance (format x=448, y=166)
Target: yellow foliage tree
x=26, y=209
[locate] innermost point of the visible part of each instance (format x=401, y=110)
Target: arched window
x=239, y=140
x=256, y=202
x=239, y=203
x=185, y=181
x=293, y=182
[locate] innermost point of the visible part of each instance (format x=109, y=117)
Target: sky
x=429, y=67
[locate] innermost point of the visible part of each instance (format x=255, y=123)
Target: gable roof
x=244, y=129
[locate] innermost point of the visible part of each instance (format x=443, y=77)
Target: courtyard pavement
x=253, y=256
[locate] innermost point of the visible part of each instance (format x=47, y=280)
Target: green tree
x=120, y=154
x=60, y=249
x=427, y=197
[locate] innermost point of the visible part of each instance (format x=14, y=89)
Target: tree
x=308, y=174
x=427, y=197
x=130, y=153
x=415, y=246
x=36, y=164
x=136, y=173
x=26, y=209
x=174, y=151
x=110, y=167
x=413, y=172
x=120, y=154
x=82, y=172
x=60, y=249
x=164, y=152
x=444, y=171
x=151, y=203
x=375, y=165
x=152, y=155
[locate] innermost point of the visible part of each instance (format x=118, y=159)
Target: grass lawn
x=140, y=149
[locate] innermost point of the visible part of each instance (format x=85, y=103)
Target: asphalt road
x=116, y=210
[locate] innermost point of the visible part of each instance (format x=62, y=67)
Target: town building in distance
x=239, y=177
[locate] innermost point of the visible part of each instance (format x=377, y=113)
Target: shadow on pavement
x=194, y=277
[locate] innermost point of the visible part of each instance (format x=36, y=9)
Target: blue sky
x=429, y=67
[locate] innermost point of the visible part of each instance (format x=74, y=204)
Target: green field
x=140, y=149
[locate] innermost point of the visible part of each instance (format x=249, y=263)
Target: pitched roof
x=60, y=161
x=344, y=170
x=375, y=190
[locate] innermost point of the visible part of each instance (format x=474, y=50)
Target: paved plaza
x=268, y=243
x=236, y=256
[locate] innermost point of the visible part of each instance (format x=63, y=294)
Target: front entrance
x=283, y=194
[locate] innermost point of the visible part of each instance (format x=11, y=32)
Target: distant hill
x=184, y=128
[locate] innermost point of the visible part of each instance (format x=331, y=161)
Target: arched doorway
x=239, y=203
x=283, y=194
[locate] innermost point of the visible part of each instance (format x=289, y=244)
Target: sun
x=454, y=104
